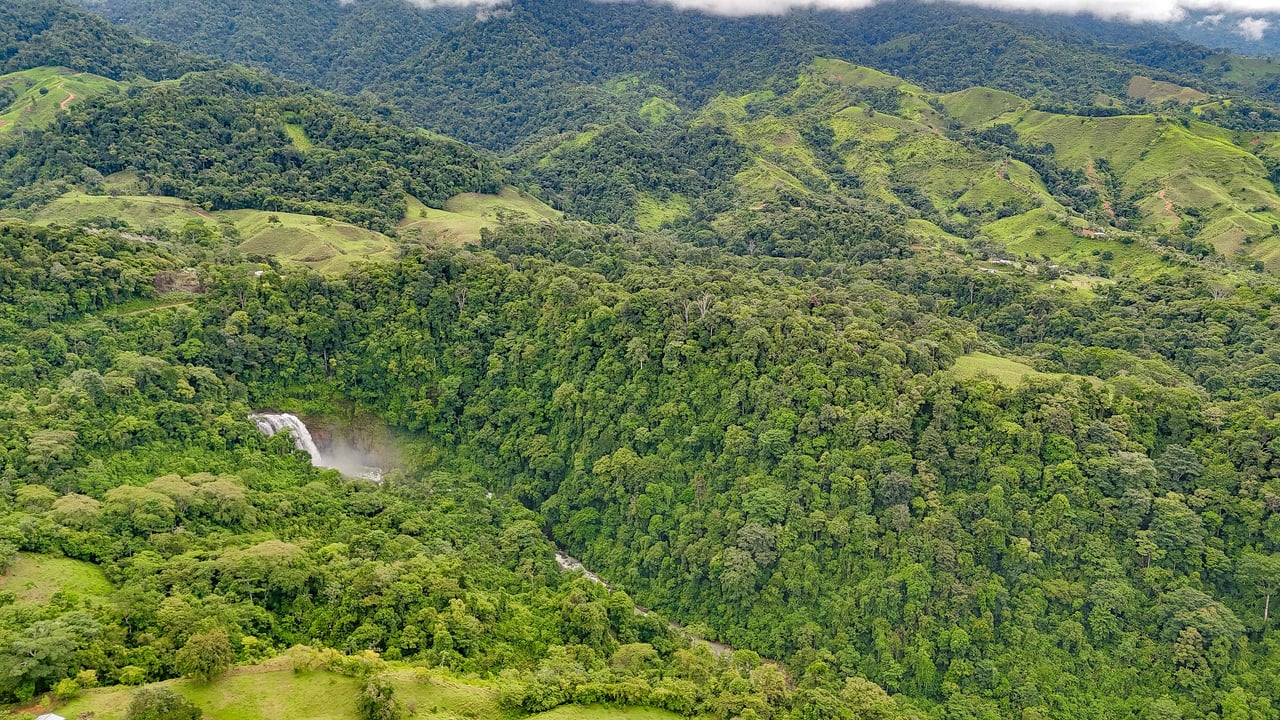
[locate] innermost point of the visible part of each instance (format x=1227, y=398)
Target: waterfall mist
x=339, y=452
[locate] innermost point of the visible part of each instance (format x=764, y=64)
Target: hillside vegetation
x=33, y=97
x=1093, y=196
x=900, y=353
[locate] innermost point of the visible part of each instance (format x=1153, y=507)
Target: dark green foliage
x=546, y=66
x=785, y=460
x=339, y=46
x=161, y=703
x=1070, y=187
x=205, y=655
x=140, y=459
x=602, y=180
x=753, y=424
x=36, y=33
x=377, y=700
x=218, y=139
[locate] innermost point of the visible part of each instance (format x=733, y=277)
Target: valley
x=915, y=361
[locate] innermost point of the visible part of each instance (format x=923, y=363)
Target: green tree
x=1262, y=571
x=205, y=655
x=161, y=703
x=377, y=700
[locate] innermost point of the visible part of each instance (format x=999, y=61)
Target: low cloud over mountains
x=1141, y=10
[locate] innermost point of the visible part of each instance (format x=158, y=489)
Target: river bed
x=569, y=563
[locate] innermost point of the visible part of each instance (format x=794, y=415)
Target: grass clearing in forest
x=44, y=92
x=245, y=693
x=298, y=136
x=322, y=244
x=652, y=213
x=1009, y=372
x=327, y=246
x=273, y=690
x=465, y=215
x=35, y=578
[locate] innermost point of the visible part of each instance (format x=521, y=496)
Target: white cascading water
x=271, y=423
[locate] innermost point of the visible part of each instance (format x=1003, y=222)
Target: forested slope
x=53, y=33
x=222, y=140
x=552, y=65
x=338, y=46
x=929, y=399
x=786, y=455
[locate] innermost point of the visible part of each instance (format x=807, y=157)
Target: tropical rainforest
x=919, y=362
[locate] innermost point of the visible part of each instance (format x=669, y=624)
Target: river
x=569, y=563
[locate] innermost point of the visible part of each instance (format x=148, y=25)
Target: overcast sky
x=1158, y=10
x=1135, y=10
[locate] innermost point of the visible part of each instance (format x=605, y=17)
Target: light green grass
x=464, y=216
x=143, y=212
x=847, y=73
x=273, y=691
x=246, y=693
x=35, y=578
x=1009, y=372
x=327, y=246
x=657, y=111
x=1037, y=234
x=1158, y=91
x=979, y=105
x=298, y=136
x=652, y=213
x=44, y=92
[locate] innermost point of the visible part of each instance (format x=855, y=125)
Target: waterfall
x=271, y=423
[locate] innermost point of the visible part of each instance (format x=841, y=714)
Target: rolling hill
x=925, y=358
x=546, y=66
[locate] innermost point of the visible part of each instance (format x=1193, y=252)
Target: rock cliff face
x=355, y=444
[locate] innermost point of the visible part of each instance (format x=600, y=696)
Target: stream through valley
x=368, y=456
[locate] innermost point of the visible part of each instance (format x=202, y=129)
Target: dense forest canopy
x=930, y=400
x=547, y=65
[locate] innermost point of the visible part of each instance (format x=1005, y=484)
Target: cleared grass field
x=327, y=246
x=1009, y=372
x=143, y=212
x=35, y=578
x=1006, y=371
x=463, y=216
x=1158, y=91
x=273, y=690
x=979, y=105
x=44, y=92
x=652, y=213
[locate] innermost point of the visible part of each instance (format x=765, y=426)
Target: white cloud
x=1253, y=28
x=1135, y=10
x=1148, y=10
x=1211, y=19
x=1138, y=10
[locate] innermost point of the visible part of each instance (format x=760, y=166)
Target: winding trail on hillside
x=1091, y=172
x=1168, y=204
x=70, y=96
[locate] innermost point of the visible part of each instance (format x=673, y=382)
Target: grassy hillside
x=465, y=215
x=324, y=245
x=33, y=97
x=36, y=578
x=327, y=246
x=287, y=687
x=1096, y=197
x=1159, y=91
